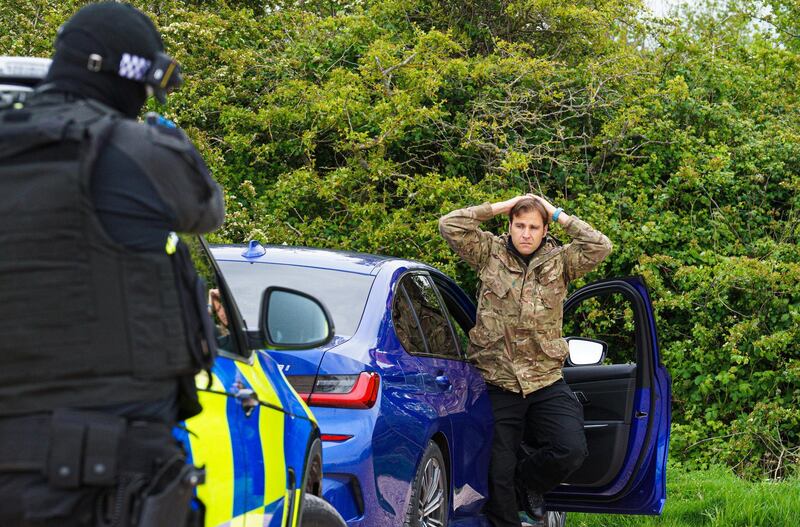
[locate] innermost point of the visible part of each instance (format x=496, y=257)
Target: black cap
x=107, y=51
x=114, y=29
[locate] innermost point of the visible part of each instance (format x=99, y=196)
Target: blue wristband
x=558, y=211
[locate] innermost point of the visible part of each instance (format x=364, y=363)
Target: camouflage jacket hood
x=516, y=342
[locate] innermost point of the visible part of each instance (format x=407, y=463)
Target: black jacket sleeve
x=177, y=171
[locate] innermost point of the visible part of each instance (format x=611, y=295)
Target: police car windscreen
x=344, y=294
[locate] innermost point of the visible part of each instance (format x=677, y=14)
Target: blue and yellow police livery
x=254, y=437
x=257, y=439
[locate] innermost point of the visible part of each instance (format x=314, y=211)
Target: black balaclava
x=107, y=28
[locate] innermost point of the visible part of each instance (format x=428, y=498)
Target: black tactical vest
x=84, y=322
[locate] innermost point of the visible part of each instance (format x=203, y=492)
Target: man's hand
x=548, y=207
x=503, y=207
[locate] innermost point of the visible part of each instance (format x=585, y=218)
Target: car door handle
x=443, y=382
x=249, y=400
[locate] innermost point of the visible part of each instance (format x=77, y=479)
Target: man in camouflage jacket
x=517, y=345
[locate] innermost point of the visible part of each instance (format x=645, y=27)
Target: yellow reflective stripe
x=256, y=517
x=285, y=507
x=271, y=425
x=212, y=448
x=297, y=506
x=260, y=383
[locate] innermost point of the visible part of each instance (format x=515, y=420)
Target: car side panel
x=248, y=459
x=373, y=469
x=209, y=442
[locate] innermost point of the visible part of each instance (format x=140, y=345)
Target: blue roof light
x=254, y=250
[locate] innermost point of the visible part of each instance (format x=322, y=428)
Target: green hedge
x=356, y=125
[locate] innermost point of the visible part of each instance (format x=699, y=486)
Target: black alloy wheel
x=429, y=492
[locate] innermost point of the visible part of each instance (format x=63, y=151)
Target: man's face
x=527, y=230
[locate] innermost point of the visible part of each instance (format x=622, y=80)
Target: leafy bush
x=356, y=125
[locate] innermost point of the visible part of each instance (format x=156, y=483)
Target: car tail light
x=302, y=384
x=341, y=391
x=335, y=438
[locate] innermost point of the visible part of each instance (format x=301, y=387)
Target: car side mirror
x=585, y=352
x=290, y=319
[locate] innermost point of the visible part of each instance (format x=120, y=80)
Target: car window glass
x=343, y=294
x=608, y=317
x=460, y=322
x=405, y=324
x=430, y=314
x=217, y=304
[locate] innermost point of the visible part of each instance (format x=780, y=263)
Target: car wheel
x=429, y=492
x=556, y=518
x=319, y=513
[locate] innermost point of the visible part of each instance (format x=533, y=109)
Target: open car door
x=625, y=398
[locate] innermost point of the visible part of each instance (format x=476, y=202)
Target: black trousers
x=550, y=423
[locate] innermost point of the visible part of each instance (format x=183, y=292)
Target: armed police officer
x=517, y=345
x=104, y=318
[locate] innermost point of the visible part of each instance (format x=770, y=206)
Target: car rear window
x=343, y=293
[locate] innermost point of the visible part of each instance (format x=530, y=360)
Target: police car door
x=240, y=414
x=625, y=399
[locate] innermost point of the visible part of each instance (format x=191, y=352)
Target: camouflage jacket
x=516, y=342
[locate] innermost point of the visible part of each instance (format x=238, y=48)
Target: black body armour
x=85, y=322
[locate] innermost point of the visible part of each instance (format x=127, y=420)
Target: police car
x=18, y=75
x=257, y=439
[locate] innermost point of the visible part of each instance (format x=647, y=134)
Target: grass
x=713, y=498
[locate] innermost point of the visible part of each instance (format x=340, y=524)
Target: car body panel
x=248, y=458
x=640, y=485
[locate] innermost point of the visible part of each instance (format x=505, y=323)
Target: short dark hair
x=527, y=205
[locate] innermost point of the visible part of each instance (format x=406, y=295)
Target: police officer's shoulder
x=134, y=135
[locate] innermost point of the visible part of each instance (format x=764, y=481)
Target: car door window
x=430, y=314
x=405, y=322
x=458, y=320
x=607, y=317
x=221, y=310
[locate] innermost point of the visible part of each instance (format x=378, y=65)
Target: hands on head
x=505, y=206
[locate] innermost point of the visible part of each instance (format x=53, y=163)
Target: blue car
x=405, y=419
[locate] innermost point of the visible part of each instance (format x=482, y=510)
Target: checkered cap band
x=133, y=67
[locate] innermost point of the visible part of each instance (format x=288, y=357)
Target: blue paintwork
x=643, y=475
x=247, y=442
x=368, y=477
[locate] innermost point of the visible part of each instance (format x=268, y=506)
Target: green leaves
x=355, y=125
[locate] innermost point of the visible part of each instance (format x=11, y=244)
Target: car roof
x=22, y=72
x=348, y=261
